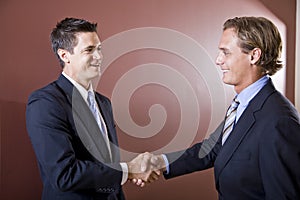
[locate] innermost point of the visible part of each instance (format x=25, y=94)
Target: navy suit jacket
x=72, y=155
x=261, y=157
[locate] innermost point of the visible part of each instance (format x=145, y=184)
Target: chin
x=95, y=75
x=224, y=80
x=227, y=82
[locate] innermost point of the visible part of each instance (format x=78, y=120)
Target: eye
x=89, y=50
x=99, y=49
x=226, y=53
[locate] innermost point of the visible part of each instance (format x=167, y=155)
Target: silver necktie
x=230, y=119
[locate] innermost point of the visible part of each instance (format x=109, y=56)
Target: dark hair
x=63, y=36
x=259, y=32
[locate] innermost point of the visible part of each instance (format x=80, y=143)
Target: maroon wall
x=28, y=63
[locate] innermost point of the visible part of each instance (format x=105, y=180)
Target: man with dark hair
x=255, y=151
x=71, y=126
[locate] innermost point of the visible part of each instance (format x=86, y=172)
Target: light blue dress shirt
x=244, y=97
x=247, y=94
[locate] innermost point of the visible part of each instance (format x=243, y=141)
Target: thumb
x=144, y=163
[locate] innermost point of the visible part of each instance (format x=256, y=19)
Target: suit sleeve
x=280, y=160
x=198, y=157
x=54, y=140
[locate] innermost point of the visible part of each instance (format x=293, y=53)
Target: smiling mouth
x=96, y=65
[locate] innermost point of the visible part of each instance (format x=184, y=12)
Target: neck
x=253, y=79
x=84, y=83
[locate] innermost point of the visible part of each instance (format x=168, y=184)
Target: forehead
x=85, y=39
x=228, y=39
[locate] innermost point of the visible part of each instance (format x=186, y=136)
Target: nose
x=98, y=55
x=219, y=59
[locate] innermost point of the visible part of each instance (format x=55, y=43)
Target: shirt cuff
x=125, y=172
x=166, y=163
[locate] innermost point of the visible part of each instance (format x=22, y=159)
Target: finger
x=139, y=182
x=153, y=177
x=134, y=180
x=157, y=172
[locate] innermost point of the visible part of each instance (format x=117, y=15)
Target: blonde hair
x=259, y=32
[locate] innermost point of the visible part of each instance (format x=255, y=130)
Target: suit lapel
x=85, y=124
x=242, y=128
x=234, y=140
x=107, y=117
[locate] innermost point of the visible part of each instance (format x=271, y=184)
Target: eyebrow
x=88, y=47
x=223, y=49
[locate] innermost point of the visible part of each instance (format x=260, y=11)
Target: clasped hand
x=145, y=168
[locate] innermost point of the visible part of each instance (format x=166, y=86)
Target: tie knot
x=233, y=106
x=235, y=103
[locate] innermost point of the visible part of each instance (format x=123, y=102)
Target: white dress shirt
x=84, y=94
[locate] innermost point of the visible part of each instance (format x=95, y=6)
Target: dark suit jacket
x=72, y=156
x=261, y=157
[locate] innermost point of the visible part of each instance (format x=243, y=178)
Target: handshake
x=145, y=168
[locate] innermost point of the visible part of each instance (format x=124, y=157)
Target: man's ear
x=64, y=55
x=255, y=55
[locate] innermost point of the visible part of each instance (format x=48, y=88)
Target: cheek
x=241, y=71
x=88, y=60
x=85, y=61
x=234, y=70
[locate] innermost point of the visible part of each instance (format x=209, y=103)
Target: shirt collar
x=246, y=95
x=80, y=88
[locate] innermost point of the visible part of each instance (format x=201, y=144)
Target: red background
x=27, y=63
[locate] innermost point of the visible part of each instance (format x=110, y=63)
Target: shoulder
x=49, y=93
x=279, y=117
x=279, y=105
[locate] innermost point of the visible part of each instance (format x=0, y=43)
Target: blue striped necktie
x=93, y=107
x=230, y=119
